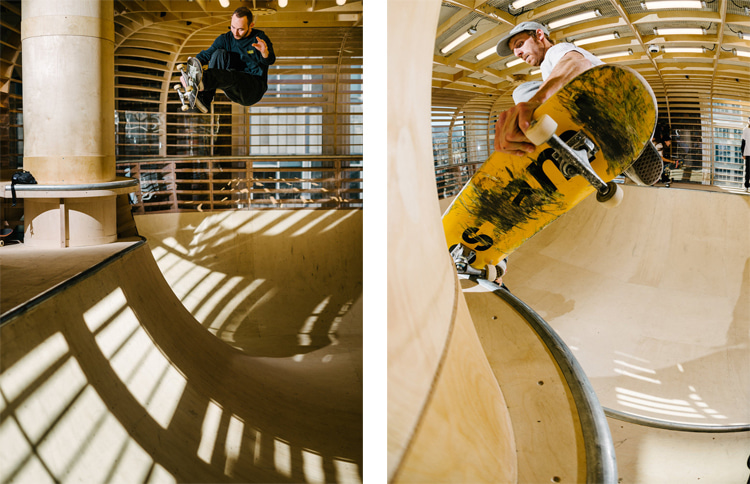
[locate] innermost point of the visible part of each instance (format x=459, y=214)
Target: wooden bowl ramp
x=112, y=378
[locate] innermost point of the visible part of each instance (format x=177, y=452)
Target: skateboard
x=589, y=132
x=190, y=79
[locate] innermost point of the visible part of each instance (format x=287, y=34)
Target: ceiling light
x=486, y=53
x=458, y=40
x=741, y=53
x=682, y=31
x=224, y=3
x=574, y=18
x=535, y=72
x=514, y=62
x=340, y=2
x=519, y=4
x=672, y=4
x=598, y=38
x=283, y=3
x=684, y=50
x=616, y=54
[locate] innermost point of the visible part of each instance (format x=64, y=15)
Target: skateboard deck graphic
x=511, y=198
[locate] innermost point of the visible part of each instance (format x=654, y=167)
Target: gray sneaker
x=648, y=168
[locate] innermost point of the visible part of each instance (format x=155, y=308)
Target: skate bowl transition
x=226, y=348
x=618, y=356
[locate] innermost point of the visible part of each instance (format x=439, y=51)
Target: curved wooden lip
x=601, y=464
x=431, y=391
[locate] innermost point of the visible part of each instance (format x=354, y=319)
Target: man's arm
x=205, y=55
x=513, y=123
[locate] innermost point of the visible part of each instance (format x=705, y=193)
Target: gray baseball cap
x=502, y=46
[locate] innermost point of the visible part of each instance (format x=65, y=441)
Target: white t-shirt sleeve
x=558, y=51
x=746, y=137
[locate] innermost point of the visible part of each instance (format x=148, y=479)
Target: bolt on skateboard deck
x=190, y=80
x=589, y=132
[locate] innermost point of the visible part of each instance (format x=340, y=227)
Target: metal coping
x=675, y=426
x=601, y=463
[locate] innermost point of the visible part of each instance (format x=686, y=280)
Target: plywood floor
x=27, y=272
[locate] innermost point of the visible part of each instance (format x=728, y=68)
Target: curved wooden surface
x=447, y=420
x=653, y=298
x=658, y=456
x=112, y=379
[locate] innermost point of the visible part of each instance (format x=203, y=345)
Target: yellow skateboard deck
x=511, y=198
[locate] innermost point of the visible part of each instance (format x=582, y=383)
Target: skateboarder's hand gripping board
x=583, y=136
x=514, y=124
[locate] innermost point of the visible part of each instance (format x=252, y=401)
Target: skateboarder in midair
x=237, y=63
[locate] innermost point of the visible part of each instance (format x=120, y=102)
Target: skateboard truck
x=184, y=97
x=191, y=75
x=573, y=158
x=462, y=257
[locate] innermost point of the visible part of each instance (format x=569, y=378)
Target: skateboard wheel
x=490, y=272
x=184, y=107
x=177, y=87
x=613, y=197
x=501, y=267
x=190, y=89
x=2, y=243
x=180, y=67
x=541, y=129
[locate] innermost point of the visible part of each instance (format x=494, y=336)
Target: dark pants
x=747, y=172
x=224, y=72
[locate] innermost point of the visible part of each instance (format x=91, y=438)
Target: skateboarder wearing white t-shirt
x=559, y=63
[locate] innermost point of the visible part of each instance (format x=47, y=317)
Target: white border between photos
x=375, y=391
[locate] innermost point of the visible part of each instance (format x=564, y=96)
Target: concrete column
x=68, y=97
